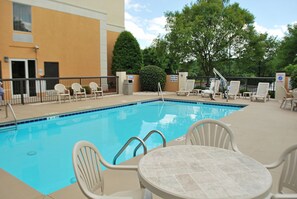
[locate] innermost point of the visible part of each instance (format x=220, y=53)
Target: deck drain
x=72, y=180
x=31, y=153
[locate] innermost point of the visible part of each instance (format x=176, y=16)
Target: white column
x=122, y=76
x=279, y=82
x=182, y=80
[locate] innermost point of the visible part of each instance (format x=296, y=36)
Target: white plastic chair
x=62, y=92
x=87, y=163
x=234, y=89
x=209, y=132
x=262, y=92
x=78, y=90
x=287, y=97
x=95, y=89
x=288, y=178
x=190, y=84
x=213, y=89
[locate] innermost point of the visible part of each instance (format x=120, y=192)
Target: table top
x=192, y=171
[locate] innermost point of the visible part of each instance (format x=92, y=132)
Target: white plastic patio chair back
x=87, y=163
x=209, y=132
x=62, y=91
x=234, y=89
x=217, y=86
x=190, y=85
x=262, y=91
x=288, y=178
x=96, y=89
x=78, y=90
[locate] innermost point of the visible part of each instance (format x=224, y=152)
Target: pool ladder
x=160, y=91
x=8, y=106
x=141, y=143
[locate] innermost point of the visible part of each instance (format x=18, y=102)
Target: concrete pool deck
x=262, y=131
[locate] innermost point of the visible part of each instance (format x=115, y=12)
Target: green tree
x=209, y=32
x=126, y=54
x=287, y=51
x=256, y=57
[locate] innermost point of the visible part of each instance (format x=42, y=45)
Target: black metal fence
x=247, y=84
x=38, y=90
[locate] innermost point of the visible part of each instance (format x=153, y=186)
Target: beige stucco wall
x=114, y=9
x=77, y=34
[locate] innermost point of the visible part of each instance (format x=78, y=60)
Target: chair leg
x=282, y=103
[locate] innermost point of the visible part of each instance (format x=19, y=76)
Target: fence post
x=22, y=91
x=40, y=91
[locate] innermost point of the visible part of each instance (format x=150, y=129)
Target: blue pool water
x=39, y=153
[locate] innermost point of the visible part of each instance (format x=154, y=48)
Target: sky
x=146, y=19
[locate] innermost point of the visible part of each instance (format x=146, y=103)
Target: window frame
x=29, y=15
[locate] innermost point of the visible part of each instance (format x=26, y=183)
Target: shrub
x=149, y=77
x=126, y=54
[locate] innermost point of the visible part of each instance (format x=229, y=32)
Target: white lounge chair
x=78, y=90
x=262, y=92
x=209, y=132
x=62, y=92
x=213, y=89
x=95, y=89
x=233, y=89
x=288, y=178
x=189, y=87
x=87, y=162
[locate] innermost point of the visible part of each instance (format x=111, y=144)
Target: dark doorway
x=51, y=69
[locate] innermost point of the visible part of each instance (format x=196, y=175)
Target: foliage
x=126, y=54
x=209, y=32
x=290, y=69
x=287, y=51
x=158, y=54
x=149, y=77
x=257, y=55
x=294, y=78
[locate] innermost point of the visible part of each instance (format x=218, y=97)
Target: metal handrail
x=147, y=136
x=13, y=113
x=125, y=146
x=160, y=90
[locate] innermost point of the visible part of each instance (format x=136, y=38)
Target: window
x=22, y=17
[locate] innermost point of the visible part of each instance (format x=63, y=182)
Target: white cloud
x=157, y=25
x=145, y=30
x=134, y=6
x=133, y=25
x=278, y=31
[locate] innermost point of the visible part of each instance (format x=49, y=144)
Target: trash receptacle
x=128, y=87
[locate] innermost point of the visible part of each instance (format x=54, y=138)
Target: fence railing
x=246, y=83
x=38, y=90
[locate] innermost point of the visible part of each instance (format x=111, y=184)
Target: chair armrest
x=119, y=167
x=284, y=196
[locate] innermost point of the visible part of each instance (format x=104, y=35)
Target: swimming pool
x=39, y=153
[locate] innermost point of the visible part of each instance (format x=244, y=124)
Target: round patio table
x=191, y=171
